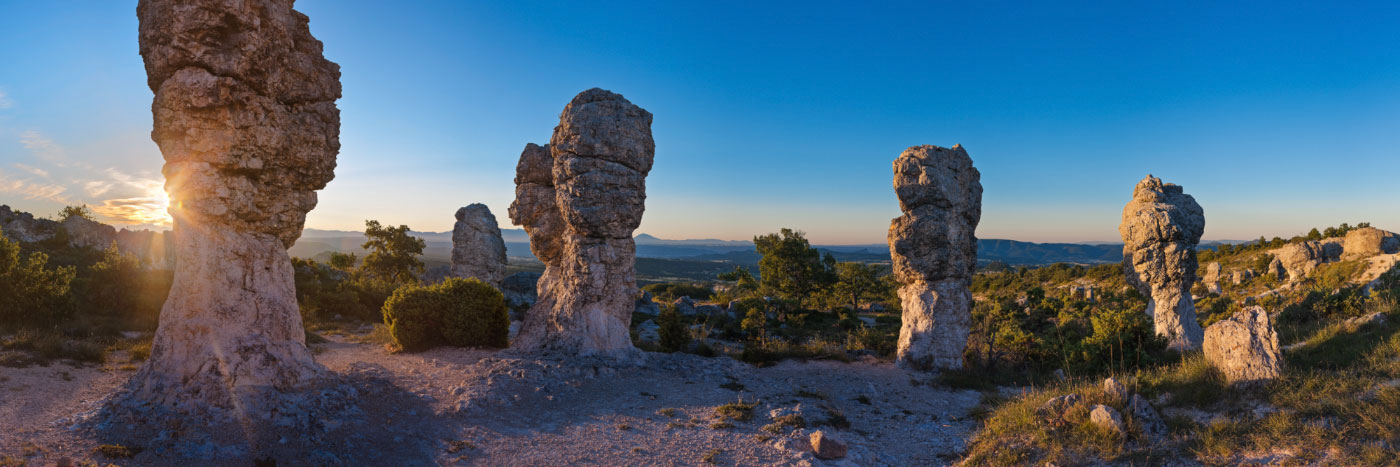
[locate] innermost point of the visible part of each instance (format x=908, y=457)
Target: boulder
x=1354, y=324
x=1369, y=241
x=245, y=116
x=1241, y=276
x=1161, y=227
x=648, y=331
x=1300, y=259
x=579, y=199
x=647, y=305
x=934, y=251
x=1212, y=274
x=1145, y=419
x=827, y=446
x=1117, y=393
x=1107, y=418
x=477, y=248
x=1276, y=270
x=685, y=306
x=1244, y=347
x=1053, y=412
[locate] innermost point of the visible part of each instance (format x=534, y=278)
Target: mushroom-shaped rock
x=245, y=117
x=477, y=248
x=580, y=198
x=934, y=252
x=1244, y=347
x=1161, y=227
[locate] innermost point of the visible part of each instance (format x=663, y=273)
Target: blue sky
x=1276, y=116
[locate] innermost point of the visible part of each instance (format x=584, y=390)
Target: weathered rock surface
x=1053, y=412
x=1212, y=273
x=477, y=248
x=580, y=198
x=1146, y=420
x=245, y=116
x=934, y=252
x=827, y=446
x=1241, y=276
x=647, y=305
x=1117, y=393
x=1300, y=259
x=1244, y=347
x=1161, y=227
x=685, y=306
x=1107, y=418
x=1369, y=241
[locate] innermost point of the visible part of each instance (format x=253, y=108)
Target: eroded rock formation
x=245, y=116
x=1244, y=347
x=1369, y=241
x=477, y=248
x=934, y=252
x=1161, y=227
x=579, y=199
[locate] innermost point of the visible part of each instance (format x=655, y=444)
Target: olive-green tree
x=393, y=253
x=791, y=268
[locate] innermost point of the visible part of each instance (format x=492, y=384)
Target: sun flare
x=151, y=208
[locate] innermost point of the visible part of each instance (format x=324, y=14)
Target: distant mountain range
x=439, y=249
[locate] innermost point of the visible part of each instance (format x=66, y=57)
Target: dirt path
x=475, y=407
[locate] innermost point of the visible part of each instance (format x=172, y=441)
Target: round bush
x=456, y=312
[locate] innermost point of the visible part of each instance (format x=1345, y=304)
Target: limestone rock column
x=580, y=198
x=934, y=251
x=1161, y=227
x=478, y=251
x=245, y=117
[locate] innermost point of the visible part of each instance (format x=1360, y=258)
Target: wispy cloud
x=138, y=210
x=43, y=147
x=5, y=101
x=33, y=170
x=31, y=190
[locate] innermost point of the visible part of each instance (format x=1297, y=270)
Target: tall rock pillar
x=580, y=198
x=245, y=116
x=934, y=251
x=1161, y=227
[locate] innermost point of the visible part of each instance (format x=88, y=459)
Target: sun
x=151, y=207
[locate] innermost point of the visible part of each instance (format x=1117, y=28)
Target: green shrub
x=675, y=335
x=456, y=312
x=31, y=292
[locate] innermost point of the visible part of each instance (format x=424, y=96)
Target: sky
x=1276, y=116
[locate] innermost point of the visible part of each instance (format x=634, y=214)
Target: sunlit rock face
x=580, y=198
x=934, y=251
x=1161, y=227
x=1244, y=347
x=478, y=251
x=245, y=116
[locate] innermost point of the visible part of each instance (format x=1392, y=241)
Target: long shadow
x=356, y=417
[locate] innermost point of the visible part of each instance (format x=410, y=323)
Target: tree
x=393, y=253
x=790, y=266
x=674, y=334
x=31, y=292
x=854, y=281
x=1314, y=234
x=75, y=211
x=343, y=261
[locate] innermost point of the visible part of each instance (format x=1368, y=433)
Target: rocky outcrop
x=1161, y=227
x=154, y=249
x=1369, y=241
x=1300, y=259
x=934, y=251
x=1276, y=270
x=580, y=198
x=245, y=116
x=1244, y=347
x=1212, y=273
x=1241, y=276
x=24, y=227
x=477, y=248
x=647, y=305
x=825, y=445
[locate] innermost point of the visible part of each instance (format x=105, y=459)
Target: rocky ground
x=470, y=407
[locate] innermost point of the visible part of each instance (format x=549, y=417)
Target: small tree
x=31, y=292
x=393, y=253
x=75, y=211
x=855, y=281
x=343, y=261
x=790, y=266
x=674, y=334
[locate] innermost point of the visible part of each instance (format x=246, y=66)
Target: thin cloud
x=138, y=210
x=5, y=101
x=31, y=190
x=42, y=146
x=33, y=170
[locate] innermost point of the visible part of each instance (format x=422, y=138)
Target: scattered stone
x=245, y=116
x=1369, y=241
x=827, y=446
x=1052, y=413
x=685, y=306
x=1146, y=420
x=1354, y=324
x=1108, y=418
x=934, y=252
x=1161, y=228
x=1212, y=273
x=580, y=198
x=1244, y=346
x=1116, y=391
x=647, y=305
x=477, y=248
